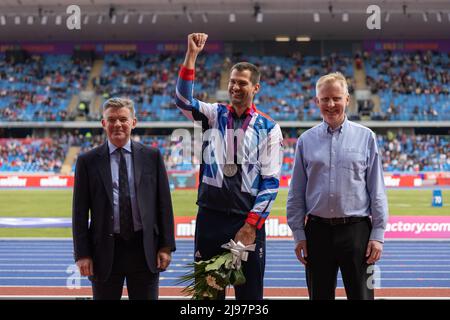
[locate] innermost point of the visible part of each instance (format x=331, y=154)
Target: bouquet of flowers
x=210, y=278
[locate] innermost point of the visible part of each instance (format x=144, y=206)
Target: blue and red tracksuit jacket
x=253, y=190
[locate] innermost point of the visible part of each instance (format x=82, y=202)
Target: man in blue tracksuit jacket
x=240, y=169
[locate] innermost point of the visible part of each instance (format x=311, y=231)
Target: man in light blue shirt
x=337, y=185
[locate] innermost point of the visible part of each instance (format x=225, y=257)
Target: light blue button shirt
x=337, y=173
x=114, y=158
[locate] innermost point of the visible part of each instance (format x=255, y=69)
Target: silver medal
x=230, y=170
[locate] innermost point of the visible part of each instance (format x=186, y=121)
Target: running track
x=408, y=269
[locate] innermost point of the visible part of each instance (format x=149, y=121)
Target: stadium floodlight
x=345, y=17
x=388, y=16
x=204, y=18
x=2, y=20
x=259, y=17
x=100, y=19
x=316, y=17
x=438, y=17
x=17, y=20
x=188, y=15
x=30, y=20
x=425, y=17
x=113, y=19
x=257, y=13
x=86, y=19
x=282, y=39
x=303, y=39
x=111, y=12
x=126, y=18
x=58, y=20
x=232, y=18
x=154, y=18
x=44, y=20
x=141, y=19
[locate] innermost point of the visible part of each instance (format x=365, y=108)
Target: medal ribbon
x=230, y=126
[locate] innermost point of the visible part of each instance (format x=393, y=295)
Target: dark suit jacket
x=93, y=198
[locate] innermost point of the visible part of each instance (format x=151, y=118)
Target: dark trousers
x=333, y=247
x=213, y=229
x=129, y=263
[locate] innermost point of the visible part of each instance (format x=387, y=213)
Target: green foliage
x=207, y=279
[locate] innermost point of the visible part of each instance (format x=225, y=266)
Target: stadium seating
x=288, y=83
x=400, y=153
x=414, y=153
x=411, y=86
x=150, y=81
x=40, y=89
x=32, y=155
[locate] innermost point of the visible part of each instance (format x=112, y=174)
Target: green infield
x=58, y=203
x=35, y=203
x=35, y=233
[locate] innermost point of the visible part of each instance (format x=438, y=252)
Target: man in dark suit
x=122, y=187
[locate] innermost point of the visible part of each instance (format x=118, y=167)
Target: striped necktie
x=126, y=216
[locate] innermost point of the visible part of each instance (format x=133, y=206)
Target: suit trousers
x=215, y=228
x=333, y=247
x=130, y=265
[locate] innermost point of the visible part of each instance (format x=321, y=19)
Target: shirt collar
x=249, y=110
x=340, y=129
x=113, y=148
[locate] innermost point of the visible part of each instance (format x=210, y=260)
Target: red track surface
x=175, y=292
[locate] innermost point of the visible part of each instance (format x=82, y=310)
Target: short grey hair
x=331, y=78
x=119, y=103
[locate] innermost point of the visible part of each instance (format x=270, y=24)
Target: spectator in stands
x=44, y=83
x=414, y=153
x=358, y=62
x=39, y=155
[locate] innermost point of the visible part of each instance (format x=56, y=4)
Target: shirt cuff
x=299, y=235
x=255, y=220
x=187, y=74
x=377, y=234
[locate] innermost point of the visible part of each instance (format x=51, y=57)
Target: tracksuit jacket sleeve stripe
x=185, y=100
x=270, y=183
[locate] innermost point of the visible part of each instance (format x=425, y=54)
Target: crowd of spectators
x=40, y=88
x=32, y=155
x=409, y=73
x=288, y=83
x=150, y=80
x=171, y=149
x=401, y=152
x=413, y=153
x=411, y=86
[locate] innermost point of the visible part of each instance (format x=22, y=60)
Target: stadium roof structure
x=232, y=20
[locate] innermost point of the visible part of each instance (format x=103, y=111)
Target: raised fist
x=196, y=42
